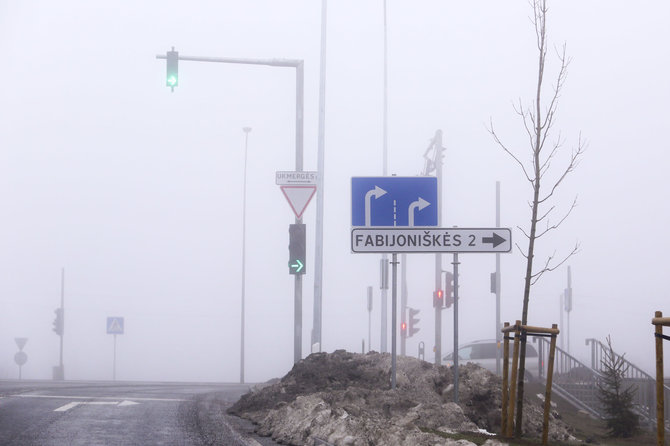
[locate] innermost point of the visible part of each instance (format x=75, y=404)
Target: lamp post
x=244, y=249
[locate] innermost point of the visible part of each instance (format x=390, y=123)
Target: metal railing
x=572, y=380
x=644, y=383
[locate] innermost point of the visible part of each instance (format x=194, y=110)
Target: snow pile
x=345, y=398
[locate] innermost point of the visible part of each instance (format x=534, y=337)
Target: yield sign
x=298, y=197
x=20, y=342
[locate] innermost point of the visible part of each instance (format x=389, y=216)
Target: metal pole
x=244, y=250
x=114, y=365
x=394, y=314
x=437, y=145
x=318, y=245
x=456, y=263
x=497, y=283
x=62, y=306
x=570, y=306
x=560, y=321
x=297, y=294
x=403, y=303
x=384, y=302
x=369, y=318
x=299, y=68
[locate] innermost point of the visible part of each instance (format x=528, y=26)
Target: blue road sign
x=114, y=325
x=394, y=201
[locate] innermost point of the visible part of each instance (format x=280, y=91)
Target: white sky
x=137, y=192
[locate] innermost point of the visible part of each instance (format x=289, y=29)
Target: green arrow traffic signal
x=296, y=249
x=298, y=266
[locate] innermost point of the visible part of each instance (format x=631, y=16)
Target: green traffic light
x=172, y=81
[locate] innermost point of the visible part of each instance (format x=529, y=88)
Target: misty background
x=137, y=192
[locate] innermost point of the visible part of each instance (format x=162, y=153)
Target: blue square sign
x=114, y=325
x=394, y=201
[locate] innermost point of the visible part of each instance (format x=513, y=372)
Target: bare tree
x=538, y=121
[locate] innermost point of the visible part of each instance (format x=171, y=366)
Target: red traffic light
x=403, y=326
x=440, y=294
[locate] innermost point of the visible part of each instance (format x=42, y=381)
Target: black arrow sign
x=495, y=240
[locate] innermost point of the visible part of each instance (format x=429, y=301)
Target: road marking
x=70, y=397
x=74, y=404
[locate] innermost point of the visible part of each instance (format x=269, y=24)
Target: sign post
x=393, y=201
x=298, y=188
x=394, y=215
x=115, y=326
x=20, y=358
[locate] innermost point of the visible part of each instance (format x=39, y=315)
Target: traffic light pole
x=298, y=64
x=62, y=306
x=437, y=141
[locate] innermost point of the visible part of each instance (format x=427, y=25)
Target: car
x=483, y=353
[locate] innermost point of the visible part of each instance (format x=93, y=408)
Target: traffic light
x=438, y=298
x=412, y=322
x=172, y=74
x=58, y=322
x=296, y=249
x=403, y=329
x=448, y=289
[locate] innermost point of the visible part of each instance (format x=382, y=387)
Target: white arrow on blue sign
x=114, y=325
x=394, y=201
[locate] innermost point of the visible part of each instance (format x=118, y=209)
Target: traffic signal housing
x=413, y=321
x=448, y=289
x=58, y=322
x=296, y=249
x=438, y=298
x=172, y=73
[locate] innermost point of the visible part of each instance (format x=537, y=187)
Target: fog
x=137, y=192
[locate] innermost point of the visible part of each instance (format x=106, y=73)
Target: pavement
x=55, y=413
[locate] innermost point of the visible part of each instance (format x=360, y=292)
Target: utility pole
x=244, y=251
x=318, y=246
x=384, y=262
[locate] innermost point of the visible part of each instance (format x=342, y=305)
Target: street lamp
x=244, y=248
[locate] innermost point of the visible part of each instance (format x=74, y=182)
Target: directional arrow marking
x=376, y=192
x=420, y=204
x=298, y=266
x=495, y=240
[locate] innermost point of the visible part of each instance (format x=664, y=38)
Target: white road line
x=67, y=407
x=70, y=397
x=73, y=404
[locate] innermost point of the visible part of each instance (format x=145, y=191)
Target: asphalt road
x=49, y=413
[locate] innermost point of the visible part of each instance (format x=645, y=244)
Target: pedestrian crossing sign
x=115, y=325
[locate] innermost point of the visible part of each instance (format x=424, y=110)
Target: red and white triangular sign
x=298, y=197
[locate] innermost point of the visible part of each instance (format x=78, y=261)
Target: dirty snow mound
x=345, y=398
